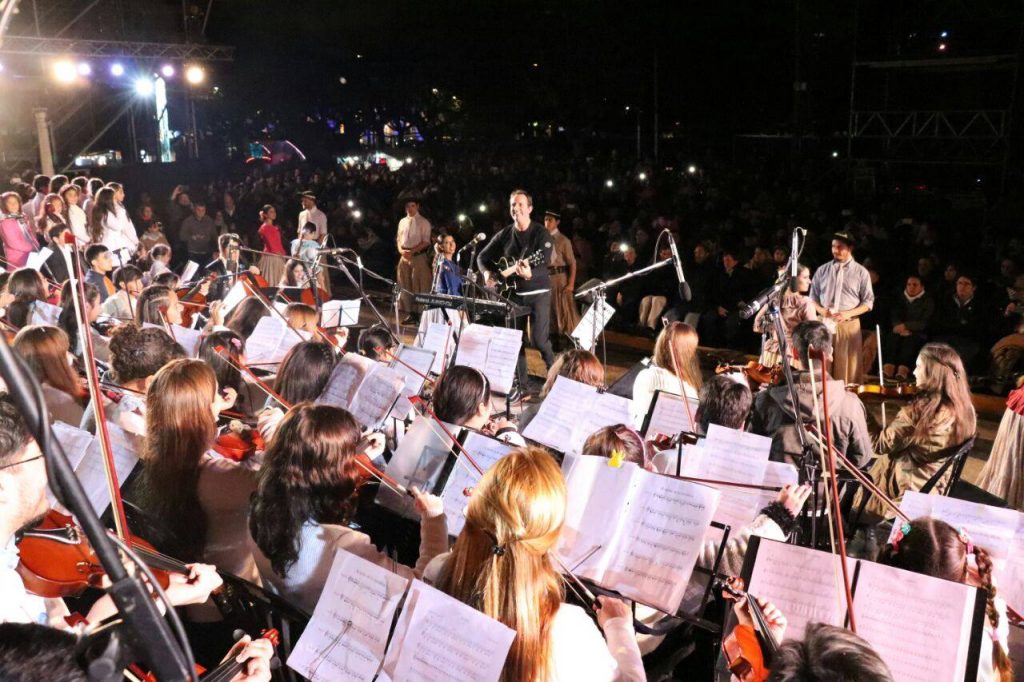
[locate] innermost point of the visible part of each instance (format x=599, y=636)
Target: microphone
x=794, y=247
x=749, y=310
x=684, y=288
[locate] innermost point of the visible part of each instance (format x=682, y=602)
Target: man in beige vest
x=413, y=241
x=563, y=277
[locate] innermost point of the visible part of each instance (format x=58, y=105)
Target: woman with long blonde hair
x=927, y=431
x=45, y=350
x=674, y=369
x=501, y=565
x=201, y=498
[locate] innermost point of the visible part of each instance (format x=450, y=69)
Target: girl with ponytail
x=932, y=547
x=501, y=565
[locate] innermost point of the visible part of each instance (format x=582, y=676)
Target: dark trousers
x=901, y=350
x=540, y=328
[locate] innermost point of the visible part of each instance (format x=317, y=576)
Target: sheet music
x=592, y=324
x=91, y=471
x=338, y=313
x=44, y=313
x=439, y=338
x=440, y=639
x=999, y=531
x=750, y=445
x=347, y=635
x=649, y=528
x=376, y=395
x=414, y=366
x=485, y=452
x=737, y=506
x=668, y=415
x=271, y=340
x=560, y=424
x=903, y=615
x=188, y=338
x=188, y=272
x=236, y=294
x=473, y=345
x=418, y=461
x=806, y=584
x=502, y=356
x=37, y=259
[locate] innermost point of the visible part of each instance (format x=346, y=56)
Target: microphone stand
x=146, y=634
x=396, y=289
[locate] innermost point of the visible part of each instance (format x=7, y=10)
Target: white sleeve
x=579, y=652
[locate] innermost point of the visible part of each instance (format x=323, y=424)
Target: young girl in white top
x=501, y=565
x=674, y=369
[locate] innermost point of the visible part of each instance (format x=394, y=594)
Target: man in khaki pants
x=841, y=292
x=413, y=264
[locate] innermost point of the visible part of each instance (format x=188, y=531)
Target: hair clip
x=617, y=458
x=237, y=343
x=499, y=550
x=898, y=536
x=966, y=539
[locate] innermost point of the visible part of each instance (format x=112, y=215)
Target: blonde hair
x=943, y=384
x=676, y=351
x=301, y=316
x=45, y=350
x=500, y=565
x=578, y=365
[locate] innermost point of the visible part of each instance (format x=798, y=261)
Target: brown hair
x=676, y=351
x=147, y=306
x=618, y=437
x=459, y=393
x=933, y=547
x=299, y=315
x=500, y=563
x=45, y=350
x=137, y=353
x=26, y=286
x=578, y=365
x=943, y=385
x=180, y=427
x=305, y=371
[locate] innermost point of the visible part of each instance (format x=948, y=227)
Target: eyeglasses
x=14, y=464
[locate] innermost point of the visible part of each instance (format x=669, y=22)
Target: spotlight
x=609, y=183
x=408, y=159
x=84, y=69
x=166, y=70
x=623, y=247
x=144, y=87
x=642, y=176
x=195, y=74
x=835, y=154
x=942, y=47
x=944, y=34
x=64, y=71
x=357, y=214
x=482, y=208
x=116, y=69
x=462, y=217
x=692, y=170
x=350, y=203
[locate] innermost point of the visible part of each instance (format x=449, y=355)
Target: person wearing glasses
x=229, y=261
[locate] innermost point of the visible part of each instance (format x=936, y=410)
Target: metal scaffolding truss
x=78, y=47
x=949, y=125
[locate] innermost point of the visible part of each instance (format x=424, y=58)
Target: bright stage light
x=482, y=208
x=144, y=87
x=835, y=155
x=116, y=69
x=462, y=217
x=350, y=203
x=167, y=70
x=623, y=247
x=642, y=176
x=357, y=214
x=408, y=159
x=64, y=71
x=195, y=74
x=692, y=170
x=84, y=69
x=609, y=183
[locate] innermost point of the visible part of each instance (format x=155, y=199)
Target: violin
x=309, y=298
x=225, y=671
x=749, y=659
x=756, y=373
x=874, y=392
x=193, y=300
x=238, y=441
x=56, y=559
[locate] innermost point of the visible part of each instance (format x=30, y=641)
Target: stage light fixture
x=692, y=170
x=144, y=87
x=408, y=159
x=167, y=71
x=64, y=71
x=642, y=176
x=462, y=217
x=357, y=214
x=623, y=247
x=609, y=183
x=835, y=154
x=482, y=208
x=84, y=69
x=350, y=203
x=942, y=47
x=116, y=69
x=195, y=74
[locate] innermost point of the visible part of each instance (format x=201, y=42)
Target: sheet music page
x=374, y=398
x=737, y=506
x=906, y=615
x=444, y=640
x=44, y=313
x=188, y=338
x=473, y=345
x=665, y=524
x=338, y=313
x=605, y=409
x=92, y=473
x=236, y=294
x=596, y=498
x=485, y=452
x=36, y=259
x=439, y=338
x=345, y=380
x=592, y=324
x=271, y=340
x=669, y=415
x=188, y=272
x=502, y=356
x=806, y=584
x=749, y=445
x=75, y=442
x=414, y=366
x=346, y=637
x=418, y=461
x=999, y=531
x=554, y=424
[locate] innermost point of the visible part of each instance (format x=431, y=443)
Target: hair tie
x=237, y=343
x=966, y=539
x=499, y=550
x=898, y=536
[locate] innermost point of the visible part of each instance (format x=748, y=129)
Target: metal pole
x=45, y=148
x=655, y=108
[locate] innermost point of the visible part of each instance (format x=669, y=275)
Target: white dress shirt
x=413, y=231
x=78, y=224
x=317, y=217
x=119, y=234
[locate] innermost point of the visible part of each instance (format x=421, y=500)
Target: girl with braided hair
x=932, y=547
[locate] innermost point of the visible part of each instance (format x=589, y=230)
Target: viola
x=749, y=659
x=756, y=373
x=874, y=392
x=56, y=559
x=225, y=671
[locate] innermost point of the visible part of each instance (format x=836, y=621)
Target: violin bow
x=881, y=371
x=682, y=384
x=233, y=360
x=429, y=413
x=328, y=338
x=394, y=356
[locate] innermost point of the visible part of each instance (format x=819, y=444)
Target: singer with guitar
x=519, y=242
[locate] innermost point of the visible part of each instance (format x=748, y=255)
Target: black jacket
x=515, y=245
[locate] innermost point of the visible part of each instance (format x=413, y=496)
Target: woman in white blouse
x=110, y=225
x=501, y=565
x=674, y=369
x=76, y=218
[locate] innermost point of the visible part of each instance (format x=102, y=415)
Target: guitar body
x=506, y=271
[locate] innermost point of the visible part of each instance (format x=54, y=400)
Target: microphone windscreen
x=684, y=291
